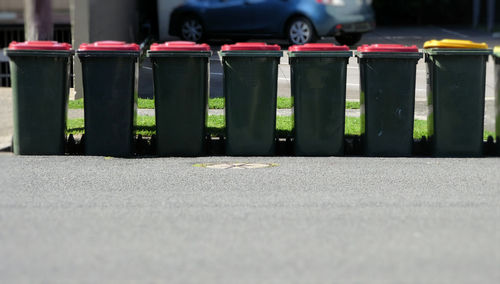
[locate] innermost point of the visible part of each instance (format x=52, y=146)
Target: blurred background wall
x=430, y=12
x=164, y=9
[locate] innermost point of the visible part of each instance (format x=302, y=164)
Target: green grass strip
x=146, y=103
x=215, y=103
x=282, y=103
x=75, y=104
x=352, y=105
x=216, y=125
x=75, y=126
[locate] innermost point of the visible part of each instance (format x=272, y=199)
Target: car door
x=226, y=16
x=268, y=16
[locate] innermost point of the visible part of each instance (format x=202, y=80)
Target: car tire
x=300, y=31
x=348, y=39
x=191, y=29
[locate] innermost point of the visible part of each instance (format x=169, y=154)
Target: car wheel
x=349, y=39
x=301, y=31
x=191, y=29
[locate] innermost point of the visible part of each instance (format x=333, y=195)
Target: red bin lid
x=179, y=46
x=39, y=45
x=387, y=48
x=318, y=47
x=109, y=45
x=250, y=46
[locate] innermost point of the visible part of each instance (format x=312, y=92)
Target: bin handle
x=426, y=57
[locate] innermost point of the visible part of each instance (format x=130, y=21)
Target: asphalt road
x=305, y=220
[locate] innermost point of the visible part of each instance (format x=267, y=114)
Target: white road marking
x=454, y=33
x=236, y=166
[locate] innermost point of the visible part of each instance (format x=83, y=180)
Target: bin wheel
x=300, y=31
x=191, y=29
x=348, y=39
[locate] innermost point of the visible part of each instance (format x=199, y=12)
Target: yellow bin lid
x=454, y=43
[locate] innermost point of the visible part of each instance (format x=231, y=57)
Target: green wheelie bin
x=496, y=55
x=456, y=72
x=40, y=88
x=109, y=71
x=387, y=82
x=250, y=88
x=318, y=81
x=181, y=88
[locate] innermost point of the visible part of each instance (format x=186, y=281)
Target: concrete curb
x=78, y=113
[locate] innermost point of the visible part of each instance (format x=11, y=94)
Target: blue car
x=299, y=21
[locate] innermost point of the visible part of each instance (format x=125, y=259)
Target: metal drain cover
x=237, y=166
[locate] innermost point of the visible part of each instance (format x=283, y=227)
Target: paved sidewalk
x=6, y=118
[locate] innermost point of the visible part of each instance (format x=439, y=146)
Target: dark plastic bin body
x=181, y=89
x=250, y=89
x=497, y=101
x=455, y=95
x=110, y=101
x=318, y=81
x=40, y=88
x=387, y=82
